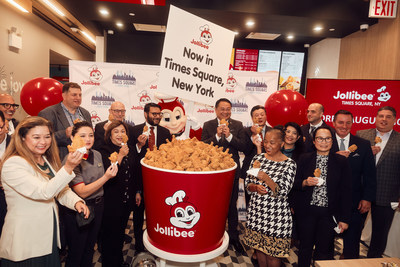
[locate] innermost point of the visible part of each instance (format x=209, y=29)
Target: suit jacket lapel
x=390, y=143
x=61, y=116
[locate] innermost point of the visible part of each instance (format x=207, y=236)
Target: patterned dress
x=269, y=221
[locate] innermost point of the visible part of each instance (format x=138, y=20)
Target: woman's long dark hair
x=299, y=145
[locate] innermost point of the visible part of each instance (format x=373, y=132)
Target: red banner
x=363, y=98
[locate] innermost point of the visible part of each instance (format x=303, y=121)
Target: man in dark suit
x=259, y=118
x=116, y=112
x=63, y=115
x=230, y=137
x=314, y=117
x=363, y=171
x=152, y=114
x=8, y=107
x=386, y=149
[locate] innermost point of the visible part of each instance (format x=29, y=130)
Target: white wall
x=323, y=59
x=33, y=60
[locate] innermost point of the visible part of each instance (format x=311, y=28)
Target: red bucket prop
x=186, y=211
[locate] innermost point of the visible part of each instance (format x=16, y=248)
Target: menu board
x=291, y=70
x=246, y=59
x=269, y=60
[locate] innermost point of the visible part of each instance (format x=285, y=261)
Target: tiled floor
x=229, y=258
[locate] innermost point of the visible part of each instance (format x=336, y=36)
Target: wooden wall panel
x=374, y=54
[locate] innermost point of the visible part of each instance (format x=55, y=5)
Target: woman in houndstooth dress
x=269, y=221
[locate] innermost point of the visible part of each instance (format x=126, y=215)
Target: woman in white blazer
x=32, y=177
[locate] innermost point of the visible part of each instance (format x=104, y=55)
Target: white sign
x=195, y=58
x=382, y=8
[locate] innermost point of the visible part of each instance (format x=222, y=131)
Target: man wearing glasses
x=63, y=115
x=8, y=107
x=116, y=112
x=146, y=135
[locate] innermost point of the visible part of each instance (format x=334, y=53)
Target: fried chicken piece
x=110, y=117
x=256, y=164
x=113, y=157
x=317, y=172
x=223, y=121
x=76, y=121
x=125, y=139
x=145, y=129
x=352, y=148
x=378, y=140
x=77, y=142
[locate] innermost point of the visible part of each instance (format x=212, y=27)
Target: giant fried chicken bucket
x=187, y=193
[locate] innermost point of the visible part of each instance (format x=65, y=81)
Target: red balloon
x=284, y=106
x=40, y=93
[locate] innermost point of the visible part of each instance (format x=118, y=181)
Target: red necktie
x=152, y=138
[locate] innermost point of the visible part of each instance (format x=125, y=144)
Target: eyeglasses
x=320, y=139
x=156, y=114
x=8, y=105
x=119, y=110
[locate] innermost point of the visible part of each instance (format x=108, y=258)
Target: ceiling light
x=236, y=33
x=290, y=37
x=306, y=45
x=250, y=23
x=131, y=14
x=88, y=36
x=331, y=29
x=149, y=27
x=263, y=36
x=52, y=6
x=12, y=2
x=119, y=24
x=318, y=28
x=104, y=12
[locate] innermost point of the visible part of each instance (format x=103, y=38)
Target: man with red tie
x=146, y=135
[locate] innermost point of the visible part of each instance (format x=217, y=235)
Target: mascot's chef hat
x=168, y=102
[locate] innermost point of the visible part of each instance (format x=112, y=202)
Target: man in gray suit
x=386, y=149
x=63, y=115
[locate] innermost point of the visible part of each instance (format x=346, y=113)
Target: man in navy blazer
x=63, y=115
x=387, y=160
x=363, y=171
x=152, y=114
x=230, y=137
x=314, y=117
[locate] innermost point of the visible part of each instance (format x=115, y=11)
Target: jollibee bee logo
x=95, y=74
x=384, y=96
x=183, y=213
x=205, y=36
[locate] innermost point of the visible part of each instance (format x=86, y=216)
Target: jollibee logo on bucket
x=183, y=214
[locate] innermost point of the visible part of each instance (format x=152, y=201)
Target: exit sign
x=382, y=8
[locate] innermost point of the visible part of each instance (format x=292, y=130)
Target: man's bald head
x=314, y=113
x=117, y=110
x=8, y=106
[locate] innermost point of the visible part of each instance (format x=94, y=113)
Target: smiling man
x=228, y=133
x=363, y=170
x=8, y=107
x=63, y=115
x=314, y=117
x=385, y=144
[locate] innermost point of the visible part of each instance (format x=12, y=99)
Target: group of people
x=56, y=198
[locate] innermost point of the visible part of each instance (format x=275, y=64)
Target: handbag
x=80, y=217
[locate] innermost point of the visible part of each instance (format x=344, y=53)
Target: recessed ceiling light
x=318, y=28
x=119, y=24
x=331, y=29
x=131, y=14
x=104, y=12
x=250, y=23
x=290, y=37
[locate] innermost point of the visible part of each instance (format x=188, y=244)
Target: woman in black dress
x=120, y=194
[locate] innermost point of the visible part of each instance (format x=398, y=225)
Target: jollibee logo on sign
x=359, y=99
x=95, y=76
x=183, y=214
x=230, y=83
x=205, y=36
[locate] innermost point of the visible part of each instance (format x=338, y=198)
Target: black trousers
x=352, y=236
x=315, y=228
x=113, y=233
x=382, y=217
x=138, y=220
x=81, y=240
x=233, y=220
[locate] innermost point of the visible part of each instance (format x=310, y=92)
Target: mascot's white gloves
x=194, y=123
